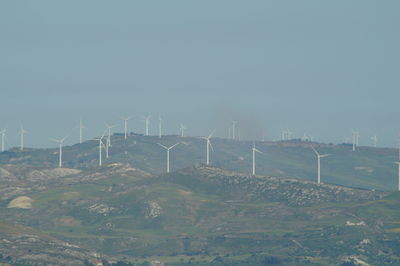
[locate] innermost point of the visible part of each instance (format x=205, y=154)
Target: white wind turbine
x=126, y=125
x=208, y=146
x=375, y=140
x=168, y=149
x=109, y=127
x=159, y=126
x=319, y=156
x=283, y=134
x=254, y=157
x=146, y=120
x=233, y=128
x=289, y=134
x=81, y=127
x=3, y=135
x=108, y=142
x=305, y=137
x=101, y=145
x=22, y=131
x=60, y=142
x=356, y=135
x=182, y=128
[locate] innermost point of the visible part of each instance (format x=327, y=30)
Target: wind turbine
x=146, y=120
x=375, y=140
x=398, y=182
x=3, y=134
x=283, y=134
x=109, y=127
x=108, y=142
x=254, y=157
x=125, y=126
x=159, y=126
x=355, y=139
x=233, y=128
x=60, y=142
x=319, y=156
x=22, y=131
x=182, y=129
x=168, y=149
x=81, y=127
x=208, y=146
x=101, y=145
x=289, y=134
x=229, y=132
x=305, y=137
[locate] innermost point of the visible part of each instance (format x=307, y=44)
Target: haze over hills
x=367, y=167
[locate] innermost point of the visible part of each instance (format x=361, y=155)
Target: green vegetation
x=202, y=215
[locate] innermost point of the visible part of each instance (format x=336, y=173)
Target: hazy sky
x=322, y=67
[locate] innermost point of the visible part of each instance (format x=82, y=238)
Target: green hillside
x=370, y=168
x=211, y=216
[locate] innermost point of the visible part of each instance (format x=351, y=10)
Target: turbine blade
x=212, y=133
x=209, y=142
x=102, y=136
x=64, y=138
x=174, y=145
x=258, y=151
x=162, y=146
x=315, y=151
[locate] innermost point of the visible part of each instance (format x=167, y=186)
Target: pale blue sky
x=324, y=67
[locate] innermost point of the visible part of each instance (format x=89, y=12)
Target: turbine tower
x=168, y=149
x=81, y=127
x=22, y=131
x=356, y=135
x=108, y=142
x=159, y=126
x=101, y=145
x=3, y=134
x=283, y=134
x=375, y=140
x=60, y=142
x=182, y=128
x=146, y=120
x=109, y=127
x=319, y=156
x=208, y=146
x=254, y=158
x=233, y=128
x=125, y=126
x=289, y=134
